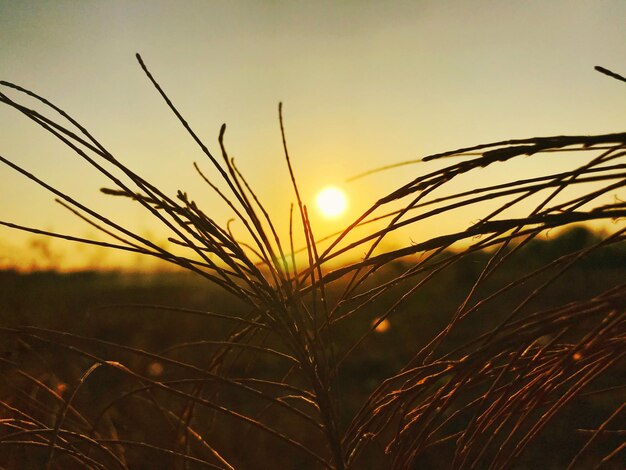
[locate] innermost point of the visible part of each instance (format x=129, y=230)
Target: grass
x=501, y=364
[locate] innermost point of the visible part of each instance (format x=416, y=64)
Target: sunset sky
x=364, y=84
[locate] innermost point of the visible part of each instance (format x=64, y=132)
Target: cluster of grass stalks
x=266, y=383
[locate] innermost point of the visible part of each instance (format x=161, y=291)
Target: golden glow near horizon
x=331, y=202
x=364, y=85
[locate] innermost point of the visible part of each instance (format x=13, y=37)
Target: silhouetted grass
x=500, y=358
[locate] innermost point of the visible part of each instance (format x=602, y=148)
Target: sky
x=364, y=84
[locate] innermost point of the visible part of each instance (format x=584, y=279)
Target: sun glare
x=331, y=202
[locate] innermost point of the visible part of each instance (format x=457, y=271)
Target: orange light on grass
x=155, y=369
x=383, y=326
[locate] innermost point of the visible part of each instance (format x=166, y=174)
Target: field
x=107, y=307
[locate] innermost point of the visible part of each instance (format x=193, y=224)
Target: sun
x=331, y=202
